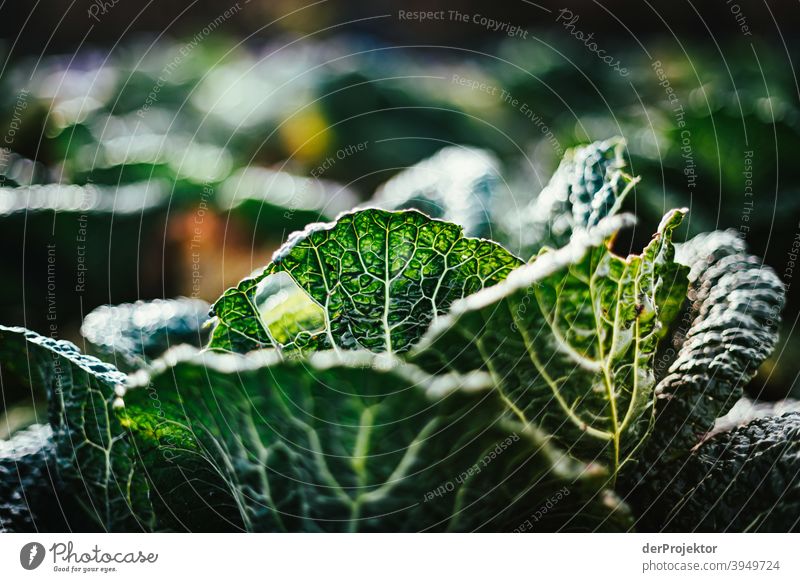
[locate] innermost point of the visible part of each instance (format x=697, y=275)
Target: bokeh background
x=161, y=149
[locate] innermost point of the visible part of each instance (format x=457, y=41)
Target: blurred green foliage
x=151, y=138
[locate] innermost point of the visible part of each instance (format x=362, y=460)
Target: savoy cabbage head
x=388, y=371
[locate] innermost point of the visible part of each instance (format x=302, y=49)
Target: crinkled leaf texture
x=132, y=334
x=24, y=464
x=588, y=186
x=569, y=340
x=730, y=329
x=80, y=392
x=457, y=184
x=726, y=333
x=379, y=277
x=157, y=481
x=354, y=441
x=742, y=480
x=31, y=492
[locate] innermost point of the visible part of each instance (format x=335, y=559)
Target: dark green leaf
x=380, y=278
x=570, y=339
x=728, y=333
x=588, y=186
x=742, y=480
x=31, y=493
x=358, y=442
x=128, y=477
x=92, y=456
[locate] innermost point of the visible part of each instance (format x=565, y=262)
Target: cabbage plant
x=388, y=372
